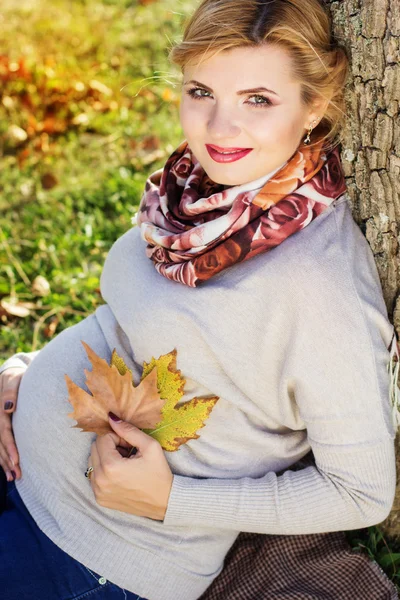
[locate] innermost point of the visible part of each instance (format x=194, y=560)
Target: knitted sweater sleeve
x=20, y=359
x=336, y=376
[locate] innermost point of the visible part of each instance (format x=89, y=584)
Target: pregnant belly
x=54, y=454
x=50, y=447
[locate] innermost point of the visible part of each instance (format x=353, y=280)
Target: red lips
x=232, y=154
x=220, y=149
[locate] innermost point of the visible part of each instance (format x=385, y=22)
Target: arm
x=336, y=372
x=342, y=492
x=21, y=359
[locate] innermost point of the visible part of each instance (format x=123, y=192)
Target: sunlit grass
x=90, y=85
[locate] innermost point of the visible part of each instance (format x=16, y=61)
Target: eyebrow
x=251, y=91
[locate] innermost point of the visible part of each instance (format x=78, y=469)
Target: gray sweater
x=295, y=344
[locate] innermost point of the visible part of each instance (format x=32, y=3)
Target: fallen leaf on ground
x=16, y=309
x=48, y=181
x=50, y=329
x=40, y=286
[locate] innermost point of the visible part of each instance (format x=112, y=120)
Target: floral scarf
x=195, y=227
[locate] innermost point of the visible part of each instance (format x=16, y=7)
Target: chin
x=229, y=181
x=223, y=180
x=216, y=172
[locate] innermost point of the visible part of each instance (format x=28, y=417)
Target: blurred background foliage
x=89, y=107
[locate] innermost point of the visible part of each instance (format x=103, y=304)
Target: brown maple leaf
x=111, y=391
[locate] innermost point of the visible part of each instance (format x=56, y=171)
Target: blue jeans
x=32, y=566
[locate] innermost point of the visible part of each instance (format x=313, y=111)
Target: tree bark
x=369, y=31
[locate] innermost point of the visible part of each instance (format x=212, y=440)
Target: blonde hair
x=301, y=27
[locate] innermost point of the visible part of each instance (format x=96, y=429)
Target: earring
x=307, y=139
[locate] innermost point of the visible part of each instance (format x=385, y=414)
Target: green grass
x=68, y=191
x=371, y=541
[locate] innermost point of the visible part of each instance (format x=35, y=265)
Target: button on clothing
x=32, y=567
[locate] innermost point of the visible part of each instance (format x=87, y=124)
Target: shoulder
x=124, y=247
x=331, y=270
x=125, y=264
x=127, y=240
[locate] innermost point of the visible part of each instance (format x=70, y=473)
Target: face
x=216, y=111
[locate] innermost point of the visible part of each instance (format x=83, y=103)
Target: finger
x=8, y=442
x=8, y=464
x=5, y=462
x=8, y=475
x=133, y=435
x=5, y=459
x=106, y=447
x=9, y=384
x=90, y=465
x=94, y=459
x=124, y=444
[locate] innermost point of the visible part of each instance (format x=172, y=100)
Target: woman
x=246, y=259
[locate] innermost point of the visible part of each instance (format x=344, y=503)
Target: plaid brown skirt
x=299, y=567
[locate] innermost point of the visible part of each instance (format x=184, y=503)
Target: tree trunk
x=369, y=30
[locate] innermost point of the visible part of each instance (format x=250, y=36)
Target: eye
x=192, y=93
x=264, y=100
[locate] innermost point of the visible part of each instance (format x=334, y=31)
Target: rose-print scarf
x=194, y=228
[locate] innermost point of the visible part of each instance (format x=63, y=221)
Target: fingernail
x=13, y=473
x=114, y=417
x=8, y=405
x=9, y=476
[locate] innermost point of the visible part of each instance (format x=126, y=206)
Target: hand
x=138, y=485
x=9, y=457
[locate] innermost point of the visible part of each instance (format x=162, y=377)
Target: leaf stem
x=133, y=451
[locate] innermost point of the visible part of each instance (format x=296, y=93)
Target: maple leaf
x=180, y=423
x=152, y=405
x=113, y=392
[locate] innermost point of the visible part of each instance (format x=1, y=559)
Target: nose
x=222, y=124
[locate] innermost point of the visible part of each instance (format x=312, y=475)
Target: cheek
x=190, y=115
x=276, y=128
x=191, y=126
x=182, y=115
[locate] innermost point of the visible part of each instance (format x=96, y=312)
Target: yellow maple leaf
x=179, y=424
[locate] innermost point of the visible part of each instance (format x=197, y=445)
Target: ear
x=317, y=111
